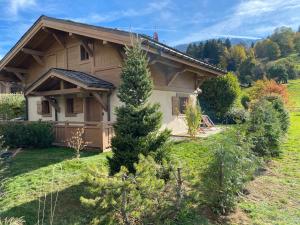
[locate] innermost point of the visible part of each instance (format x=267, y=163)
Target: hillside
x=235, y=41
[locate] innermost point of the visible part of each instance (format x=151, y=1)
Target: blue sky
x=177, y=21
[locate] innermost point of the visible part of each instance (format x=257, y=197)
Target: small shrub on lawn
x=283, y=114
x=25, y=135
x=264, y=129
x=232, y=164
x=192, y=117
x=12, y=106
x=236, y=116
x=218, y=95
x=140, y=198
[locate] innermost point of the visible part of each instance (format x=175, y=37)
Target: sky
x=176, y=21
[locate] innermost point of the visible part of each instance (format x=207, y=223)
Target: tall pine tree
x=138, y=122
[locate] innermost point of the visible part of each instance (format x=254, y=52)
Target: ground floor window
x=70, y=107
x=46, y=109
x=182, y=104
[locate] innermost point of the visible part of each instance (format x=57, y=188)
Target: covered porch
x=72, y=100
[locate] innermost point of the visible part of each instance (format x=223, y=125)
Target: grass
x=33, y=174
x=39, y=172
x=274, y=196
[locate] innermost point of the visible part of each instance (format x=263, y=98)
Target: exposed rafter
x=84, y=43
x=100, y=100
x=174, y=76
x=60, y=40
x=15, y=69
x=35, y=54
x=58, y=92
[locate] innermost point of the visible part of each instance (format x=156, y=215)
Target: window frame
x=67, y=107
x=182, y=104
x=49, y=107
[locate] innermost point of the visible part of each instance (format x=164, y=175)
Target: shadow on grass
x=31, y=159
x=68, y=211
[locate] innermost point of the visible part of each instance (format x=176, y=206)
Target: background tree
x=218, y=95
x=283, y=36
x=267, y=49
x=138, y=122
x=247, y=71
x=278, y=72
x=297, y=42
x=236, y=57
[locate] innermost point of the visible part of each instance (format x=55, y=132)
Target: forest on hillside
x=275, y=57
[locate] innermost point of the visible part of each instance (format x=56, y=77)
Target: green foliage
x=230, y=167
x=267, y=49
x=247, y=71
x=236, y=116
x=237, y=55
x=138, y=122
x=12, y=106
x=264, y=129
x=192, y=117
x=12, y=221
x=278, y=72
x=297, y=42
x=218, y=95
x=24, y=135
x=125, y=198
x=283, y=36
x=245, y=101
x=283, y=114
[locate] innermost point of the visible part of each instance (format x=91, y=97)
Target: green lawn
x=33, y=174
x=39, y=172
x=275, y=196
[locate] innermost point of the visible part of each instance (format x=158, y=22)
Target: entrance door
x=93, y=110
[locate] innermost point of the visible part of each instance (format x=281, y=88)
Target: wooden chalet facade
x=70, y=74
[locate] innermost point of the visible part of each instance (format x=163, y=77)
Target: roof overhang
x=53, y=73
x=109, y=35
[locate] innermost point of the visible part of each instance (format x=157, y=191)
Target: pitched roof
x=81, y=79
x=146, y=40
x=84, y=78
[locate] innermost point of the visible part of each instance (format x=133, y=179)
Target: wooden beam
x=38, y=60
x=86, y=47
x=15, y=69
x=32, y=52
x=100, y=100
x=56, y=36
x=58, y=92
x=5, y=78
x=174, y=76
x=20, y=76
x=53, y=103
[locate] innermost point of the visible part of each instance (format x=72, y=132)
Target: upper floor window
x=84, y=55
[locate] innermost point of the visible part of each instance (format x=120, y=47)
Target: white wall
x=164, y=98
x=34, y=116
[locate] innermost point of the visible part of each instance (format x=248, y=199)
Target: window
x=182, y=103
x=84, y=55
x=70, y=106
x=46, y=110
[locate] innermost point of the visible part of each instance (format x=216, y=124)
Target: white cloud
x=156, y=6
x=14, y=6
x=252, y=13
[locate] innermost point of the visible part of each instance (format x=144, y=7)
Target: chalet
x=70, y=73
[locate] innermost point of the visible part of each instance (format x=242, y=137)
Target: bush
x=218, y=95
x=269, y=88
x=232, y=164
x=264, y=129
x=245, y=101
x=236, y=116
x=12, y=106
x=24, y=135
x=192, y=117
x=283, y=114
x=12, y=221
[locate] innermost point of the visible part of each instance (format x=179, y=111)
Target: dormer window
x=84, y=55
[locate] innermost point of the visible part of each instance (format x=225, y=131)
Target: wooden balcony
x=96, y=134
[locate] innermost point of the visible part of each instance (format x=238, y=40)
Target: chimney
x=155, y=36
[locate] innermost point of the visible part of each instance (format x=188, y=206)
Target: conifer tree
x=138, y=122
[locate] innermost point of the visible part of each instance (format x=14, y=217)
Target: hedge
x=27, y=135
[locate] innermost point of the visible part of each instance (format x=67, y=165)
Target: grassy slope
x=274, y=196
x=31, y=177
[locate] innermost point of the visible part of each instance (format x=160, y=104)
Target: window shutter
x=78, y=105
x=175, y=105
x=39, y=108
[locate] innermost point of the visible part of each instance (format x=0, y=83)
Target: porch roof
x=81, y=79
